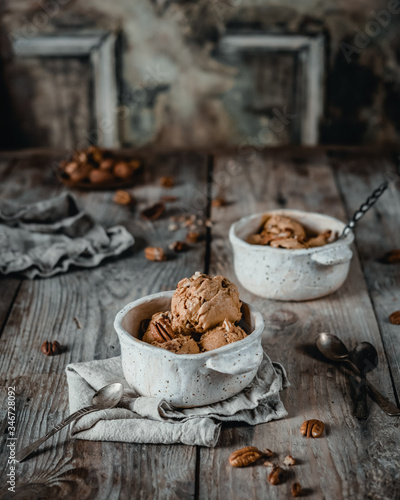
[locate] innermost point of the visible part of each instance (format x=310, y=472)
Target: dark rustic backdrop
x=201, y=73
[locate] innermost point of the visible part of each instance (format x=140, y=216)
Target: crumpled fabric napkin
x=46, y=238
x=141, y=419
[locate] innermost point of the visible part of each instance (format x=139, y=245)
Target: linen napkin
x=46, y=238
x=141, y=419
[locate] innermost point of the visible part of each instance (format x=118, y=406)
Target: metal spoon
x=333, y=348
x=107, y=397
x=371, y=200
x=365, y=357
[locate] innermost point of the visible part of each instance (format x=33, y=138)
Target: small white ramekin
x=186, y=380
x=281, y=274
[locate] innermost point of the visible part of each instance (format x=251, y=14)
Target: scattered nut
x=289, y=460
x=122, y=170
x=312, y=428
x=218, y=202
x=156, y=254
x=296, y=490
x=70, y=167
x=192, y=237
x=179, y=246
x=209, y=223
x=167, y=182
x=106, y=164
x=98, y=176
x=77, y=323
x=394, y=318
x=51, y=348
x=276, y=476
x=154, y=212
x=267, y=463
x=123, y=198
x=392, y=257
x=168, y=199
x=245, y=456
x=268, y=453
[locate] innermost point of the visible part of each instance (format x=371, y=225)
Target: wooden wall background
x=176, y=86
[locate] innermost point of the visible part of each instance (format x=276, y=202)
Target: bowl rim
x=134, y=342
x=236, y=240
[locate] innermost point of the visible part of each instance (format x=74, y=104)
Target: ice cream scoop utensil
x=371, y=200
x=334, y=349
x=107, y=397
x=365, y=357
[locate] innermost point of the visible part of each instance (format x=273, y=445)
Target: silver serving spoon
x=334, y=349
x=107, y=397
x=365, y=357
x=371, y=200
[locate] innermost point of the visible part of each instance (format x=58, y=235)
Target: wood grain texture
x=45, y=309
x=354, y=459
x=377, y=234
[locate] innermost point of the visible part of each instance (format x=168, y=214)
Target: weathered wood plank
x=45, y=309
x=377, y=234
x=354, y=459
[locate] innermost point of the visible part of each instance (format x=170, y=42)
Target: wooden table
x=354, y=459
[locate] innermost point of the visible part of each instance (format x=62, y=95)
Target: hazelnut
x=98, y=176
x=122, y=170
x=106, y=164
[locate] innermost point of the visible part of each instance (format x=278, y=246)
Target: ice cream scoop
x=203, y=302
x=221, y=335
x=179, y=345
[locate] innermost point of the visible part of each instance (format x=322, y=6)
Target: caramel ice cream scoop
x=159, y=328
x=179, y=345
x=221, y=335
x=202, y=302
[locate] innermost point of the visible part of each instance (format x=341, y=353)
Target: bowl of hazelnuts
x=96, y=168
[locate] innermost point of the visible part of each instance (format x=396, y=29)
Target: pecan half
x=289, y=460
x=276, y=476
x=153, y=212
x=296, y=490
x=392, y=257
x=156, y=254
x=179, y=246
x=394, y=318
x=245, y=456
x=123, y=198
x=312, y=428
x=192, y=237
x=51, y=348
x=167, y=182
x=161, y=330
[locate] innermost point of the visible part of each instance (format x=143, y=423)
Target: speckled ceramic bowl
x=281, y=274
x=186, y=379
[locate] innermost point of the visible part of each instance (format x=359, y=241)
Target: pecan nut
x=167, y=182
x=394, y=318
x=245, y=456
x=179, y=246
x=156, y=254
x=296, y=490
x=51, y=348
x=159, y=330
x=392, y=257
x=312, y=428
x=289, y=460
x=276, y=476
x=153, y=212
x=192, y=237
x=123, y=197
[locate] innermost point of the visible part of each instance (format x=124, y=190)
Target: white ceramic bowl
x=186, y=379
x=281, y=274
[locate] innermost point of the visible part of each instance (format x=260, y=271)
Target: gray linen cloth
x=47, y=237
x=139, y=419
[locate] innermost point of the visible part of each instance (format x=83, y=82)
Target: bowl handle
x=333, y=256
x=244, y=363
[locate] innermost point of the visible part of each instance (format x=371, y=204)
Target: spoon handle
x=379, y=398
x=361, y=405
x=373, y=198
x=25, y=452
